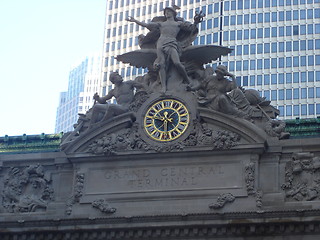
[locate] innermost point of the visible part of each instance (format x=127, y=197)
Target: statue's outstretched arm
x=142, y=24
x=103, y=100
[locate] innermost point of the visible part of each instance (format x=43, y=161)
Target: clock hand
x=165, y=126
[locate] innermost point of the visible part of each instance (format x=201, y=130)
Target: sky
x=40, y=40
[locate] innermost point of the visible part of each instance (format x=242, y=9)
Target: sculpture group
x=176, y=66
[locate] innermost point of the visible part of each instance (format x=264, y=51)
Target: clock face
x=166, y=120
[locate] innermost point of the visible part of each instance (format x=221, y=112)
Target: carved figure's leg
x=181, y=69
x=96, y=110
x=159, y=65
x=114, y=110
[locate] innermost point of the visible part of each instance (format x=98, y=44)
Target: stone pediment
x=206, y=129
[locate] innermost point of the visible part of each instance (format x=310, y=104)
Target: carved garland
x=130, y=139
x=77, y=192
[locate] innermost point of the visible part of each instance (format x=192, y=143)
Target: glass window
x=260, y=32
x=266, y=63
x=317, y=59
x=233, y=5
x=226, y=6
x=317, y=76
x=260, y=3
x=233, y=20
x=303, y=29
x=288, y=30
x=317, y=28
x=318, y=92
x=252, y=80
x=303, y=77
x=253, y=3
x=281, y=94
x=231, y=66
x=274, y=62
x=303, y=93
x=295, y=30
x=274, y=31
x=288, y=77
x=310, y=13
x=216, y=22
x=295, y=77
x=259, y=80
x=246, y=18
x=274, y=3
x=245, y=49
x=281, y=16
x=226, y=21
x=303, y=61
x=252, y=49
x=273, y=78
x=310, y=92
x=233, y=35
x=209, y=38
x=274, y=16
x=311, y=76
x=246, y=67
x=288, y=62
x=274, y=47
x=281, y=78
x=311, y=109
x=281, y=31
x=260, y=17
x=304, y=109
x=245, y=81
x=226, y=36
x=317, y=13
x=303, y=45
x=281, y=110
x=253, y=18
x=296, y=93
x=295, y=14
x=302, y=14
x=288, y=46
x=288, y=2
x=273, y=95
x=259, y=64
x=288, y=15
x=259, y=48
x=239, y=34
x=267, y=32
x=239, y=19
x=252, y=64
x=310, y=44
x=253, y=33
x=288, y=110
x=281, y=62
x=266, y=78
x=266, y=94
x=295, y=110
x=310, y=28
x=267, y=17
x=281, y=46
x=246, y=34
x=239, y=50
x=295, y=45
x=310, y=60
x=296, y=61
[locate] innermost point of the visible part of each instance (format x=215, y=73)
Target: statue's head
x=115, y=77
x=169, y=10
x=221, y=70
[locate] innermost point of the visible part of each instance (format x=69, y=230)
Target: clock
x=166, y=120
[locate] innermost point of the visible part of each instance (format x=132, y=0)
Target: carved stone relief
x=302, y=177
x=27, y=189
x=222, y=200
x=103, y=206
x=77, y=192
x=130, y=139
x=250, y=183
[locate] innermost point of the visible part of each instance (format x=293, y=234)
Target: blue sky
x=39, y=42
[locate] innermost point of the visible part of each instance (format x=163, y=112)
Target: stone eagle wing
x=140, y=58
x=204, y=54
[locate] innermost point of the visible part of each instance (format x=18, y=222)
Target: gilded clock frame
x=177, y=122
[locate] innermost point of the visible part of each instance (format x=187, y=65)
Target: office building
x=84, y=82
x=276, y=44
